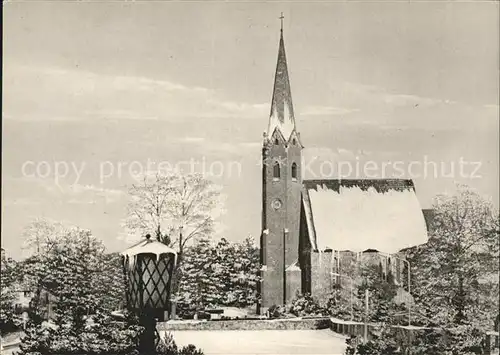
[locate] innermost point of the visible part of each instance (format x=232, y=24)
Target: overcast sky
x=95, y=85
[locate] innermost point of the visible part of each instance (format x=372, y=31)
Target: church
x=307, y=225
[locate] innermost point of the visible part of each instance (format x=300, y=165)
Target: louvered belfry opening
x=148, y=279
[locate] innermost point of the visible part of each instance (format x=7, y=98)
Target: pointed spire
x=281, y=115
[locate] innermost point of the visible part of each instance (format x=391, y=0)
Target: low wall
x=349, y=328
x=247, y=324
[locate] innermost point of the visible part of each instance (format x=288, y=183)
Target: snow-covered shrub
x=302, y=306
x=382, y=342
x=9, y=319
x=82, y=323
x=275, y=312
x=167, y=346
x=338, y=306
x=102, y=336
x=36, y=340
x=217, y=274
x=306, y=305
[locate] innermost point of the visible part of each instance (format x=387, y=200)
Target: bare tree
x=176, y=208
x=41, y=235
x=147, y=210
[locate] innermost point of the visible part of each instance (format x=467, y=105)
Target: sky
x=93, y=91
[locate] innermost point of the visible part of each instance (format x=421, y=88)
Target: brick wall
x=305, y=254
x=271, y=288
x=293, y=283
x=280, y=225
x=293, y=203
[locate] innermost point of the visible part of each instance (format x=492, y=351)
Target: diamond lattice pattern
x=152, y=277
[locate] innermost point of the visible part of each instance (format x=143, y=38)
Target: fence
x=491, y=341
x=404, y=335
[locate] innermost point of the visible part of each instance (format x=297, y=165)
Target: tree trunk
x=174, y=288
x=35, y=312
x=460, y=302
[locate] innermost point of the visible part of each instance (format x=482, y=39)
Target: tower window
x=276, y=141
x=294, y=171
x=276, y=170
x=294, y=141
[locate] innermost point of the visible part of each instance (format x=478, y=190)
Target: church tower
x=281, y=195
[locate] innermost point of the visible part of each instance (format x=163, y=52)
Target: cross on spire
x=281, y=114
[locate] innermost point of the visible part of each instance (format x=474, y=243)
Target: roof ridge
x=380, y=185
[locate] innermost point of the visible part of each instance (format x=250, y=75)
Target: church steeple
x=281, y=196
x=281, y=116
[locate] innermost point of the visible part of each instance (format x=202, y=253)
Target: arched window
x=294, y=141
x=294, y=171
x=276, y=141
x=276, y=170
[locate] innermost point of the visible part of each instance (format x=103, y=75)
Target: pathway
x=259, y=342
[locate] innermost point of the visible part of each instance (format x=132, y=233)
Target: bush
x=116, y=339
x=37, y=339
x=101, y=335
x=185, y=310
x=167, y=346
x=10, y=320
x=217, y=274
x=339, y=307
x=305, y=305
x=277, y=312
x=429, y=341
x=302, y=306
x=463, y=340
x=382, y=342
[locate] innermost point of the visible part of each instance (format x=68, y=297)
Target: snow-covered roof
x=356, y=215
x=293, y=267
x=284, y=122
x=148, y=246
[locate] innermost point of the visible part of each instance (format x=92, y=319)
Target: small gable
x=277, y=137
x=295, y=139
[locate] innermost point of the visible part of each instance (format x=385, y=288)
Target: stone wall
x=248, y=324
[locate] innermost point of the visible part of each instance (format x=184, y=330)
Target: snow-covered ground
x=255, y=342
x=268, y=342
